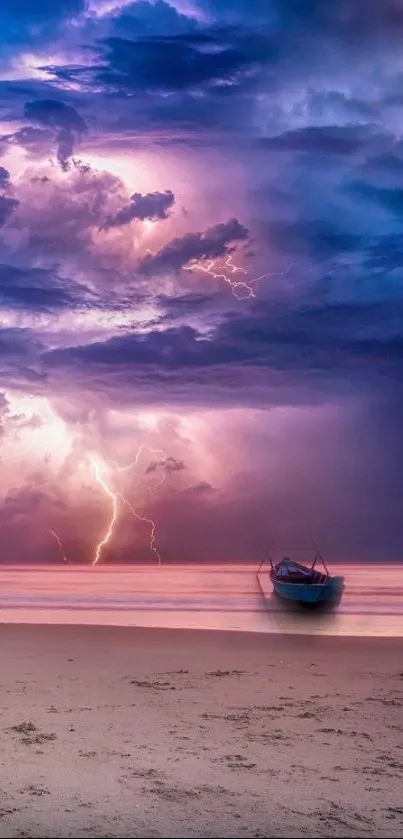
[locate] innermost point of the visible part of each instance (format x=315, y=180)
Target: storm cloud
x=212, y=243
x=64, y=119
x=153, y=206
x=263, y=141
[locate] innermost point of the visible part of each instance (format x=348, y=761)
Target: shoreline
x=263, y=623
x=194, y=632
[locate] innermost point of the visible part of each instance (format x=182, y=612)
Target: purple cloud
x=64, y=119
x=153, y=206
x=212, y=243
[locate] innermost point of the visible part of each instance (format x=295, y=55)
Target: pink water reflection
x=219, y=597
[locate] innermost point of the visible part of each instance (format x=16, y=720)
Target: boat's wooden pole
x=261, y=565
x=324, y=564
x=267, y=554
x=262, y=591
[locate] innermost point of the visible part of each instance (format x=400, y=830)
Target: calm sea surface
x=218, y=597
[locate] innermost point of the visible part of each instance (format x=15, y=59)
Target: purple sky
x=201, y=211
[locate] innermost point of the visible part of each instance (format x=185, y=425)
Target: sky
x=201, y=280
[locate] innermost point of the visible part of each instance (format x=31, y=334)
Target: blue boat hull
x=303, y=593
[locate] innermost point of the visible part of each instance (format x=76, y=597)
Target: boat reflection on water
x=312, y=607
x=286, y=616
x=300, y=592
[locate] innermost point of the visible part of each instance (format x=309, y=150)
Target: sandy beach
x=126, y=732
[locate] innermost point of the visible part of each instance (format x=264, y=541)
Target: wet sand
x=138, y=733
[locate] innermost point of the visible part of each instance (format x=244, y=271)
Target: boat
x=302, y=583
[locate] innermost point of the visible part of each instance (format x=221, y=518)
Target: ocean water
x=224, y=597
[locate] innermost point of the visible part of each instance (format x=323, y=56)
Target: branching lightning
x=99, y=471
x=241, y=289
x=59, y=542
x=136, y=459
x=114, y=498
x=135, y=462
x=147, y=521
x=50, y=427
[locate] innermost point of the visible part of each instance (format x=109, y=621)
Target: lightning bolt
x=245, y=289
x=136, y=459
x=114, y=498
x=118, y=496
x=146, y=521
x=135, y=462
x=58, y=540
x=241, y=289
x=99, y=470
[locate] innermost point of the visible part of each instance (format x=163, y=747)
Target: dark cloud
x=322, y=239
x=153, y=206
x=327, y=140
x=351, y=21
x=214, y=242
x=385, y=254
x=143, y=19
x=389, y=198
x=241, y=12
x=17, y=342
x=152, y=467
x=169, y=346
x=169, y=465
x=387, y=164
x=199, y=489
x=36, y=141
x=28, y=13
x=187, y=61
x=40, y=290
x=7, y=203
x=64, y=119
x=4, y=177
x=213, y=73
x=311, y=348
x=27, y=22
x=173, y=465
x=179, y=306
x=352, y=111
x=244, y=38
